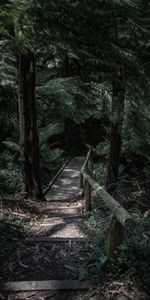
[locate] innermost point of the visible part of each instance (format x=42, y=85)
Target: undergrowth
x=12, y=231
x=9, y=173
x=51, y=161
x=134, y=255
x=133, y=259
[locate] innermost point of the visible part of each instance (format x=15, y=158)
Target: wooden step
x=70, y=216
x=48, y=239
x=67, y=200
x=63, y=207
x=45, y=285
x=61, y=211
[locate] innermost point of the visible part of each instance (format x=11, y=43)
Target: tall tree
x=19, y=37
x=29, y=141
x=130, y=67
x=118, y=97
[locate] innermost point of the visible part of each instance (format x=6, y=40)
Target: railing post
x=115, y=238
x=88, y=206
x=94, y=175
x=81, y=181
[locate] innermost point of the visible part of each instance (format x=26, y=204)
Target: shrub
x=9, y=173
x=134, y=257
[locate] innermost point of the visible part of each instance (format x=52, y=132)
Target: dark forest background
x=75, y=74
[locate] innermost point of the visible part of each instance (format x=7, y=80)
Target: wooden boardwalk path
x=64, y=205
x=59, y=238
x=67, y=184
x=55, y=253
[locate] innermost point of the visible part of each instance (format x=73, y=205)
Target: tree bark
x=116, y=134
x=29, y=142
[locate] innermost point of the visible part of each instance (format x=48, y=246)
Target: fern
x=49, y=131
x=12, y=146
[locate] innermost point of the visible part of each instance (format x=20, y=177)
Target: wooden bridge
x=65, y=210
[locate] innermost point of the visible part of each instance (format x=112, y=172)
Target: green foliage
x=124, y=177
x=9, y=173
x=134, y=256
x=136, y=130
x=49, y=131
x=133, y=260
x=100, y=171
x=12, y=146
x=81, y=47
x=102, y=148
x=51, y=161
x=12, y=231
x=83, y=274
x=70, y=97
x=98, y=226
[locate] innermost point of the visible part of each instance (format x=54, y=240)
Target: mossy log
x=118, y=211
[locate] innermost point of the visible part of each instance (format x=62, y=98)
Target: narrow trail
x=66, y=186
x=55, y=247
x=50, y=247
x=64, y=205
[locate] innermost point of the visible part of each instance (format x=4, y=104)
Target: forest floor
x=62, y=216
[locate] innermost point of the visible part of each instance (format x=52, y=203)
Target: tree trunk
x=116, y=134
x=29, y=142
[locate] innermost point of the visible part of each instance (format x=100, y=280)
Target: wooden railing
x=55, y=177
x=121, y=220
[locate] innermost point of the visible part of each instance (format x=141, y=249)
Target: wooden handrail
x=55, y=177
x=121, y=219
x=81, y=185
x=86, y=160
x=118, y=211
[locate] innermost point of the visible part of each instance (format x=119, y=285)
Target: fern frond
x=12, y=146
x=49, y=131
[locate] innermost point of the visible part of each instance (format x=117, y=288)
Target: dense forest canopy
x=74, y=75
x=87, y=54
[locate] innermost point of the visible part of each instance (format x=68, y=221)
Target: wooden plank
x=55, y=177
x=119, y=212
x=50, y=225
x=5, y=199
x=48, y=239
x=45, y=285
x=60, y=200
x=71, y=216
x=62, y=207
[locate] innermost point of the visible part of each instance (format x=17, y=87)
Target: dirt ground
x=56, y=260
